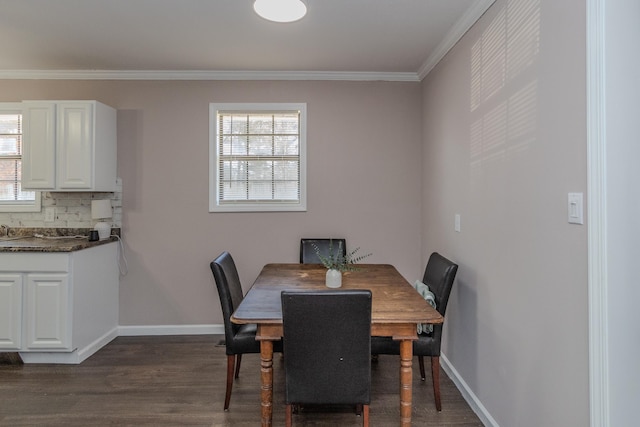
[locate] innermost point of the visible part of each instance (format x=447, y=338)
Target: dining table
x=396, y=310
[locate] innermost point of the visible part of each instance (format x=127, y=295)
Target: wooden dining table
x=396, y=310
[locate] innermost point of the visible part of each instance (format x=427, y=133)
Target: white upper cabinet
x=39, y=146
x=69, y=146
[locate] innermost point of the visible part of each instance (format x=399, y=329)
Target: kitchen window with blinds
x=12, y=197
x=257, y=157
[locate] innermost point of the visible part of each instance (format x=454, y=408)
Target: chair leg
x=238, y=360
x=288, y=415
x=359, y=409
x=365, y=415
x=231, y=359
x=421, y=363
x=435, y=376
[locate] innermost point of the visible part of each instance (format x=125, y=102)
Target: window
x=12, y=197
x=257, y=157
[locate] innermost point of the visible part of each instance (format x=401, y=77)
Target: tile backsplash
x=72, y=210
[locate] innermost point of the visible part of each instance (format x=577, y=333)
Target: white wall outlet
x=49, y=214
x=456, y=225
x=575, y=207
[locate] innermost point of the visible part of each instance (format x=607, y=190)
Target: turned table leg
x=266, y=379
x=406, y=377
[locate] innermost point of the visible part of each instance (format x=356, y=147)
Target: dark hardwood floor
x=180, y=381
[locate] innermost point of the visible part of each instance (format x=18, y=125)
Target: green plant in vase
x=336, y=263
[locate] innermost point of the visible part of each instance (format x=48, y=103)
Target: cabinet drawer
x=44, y=261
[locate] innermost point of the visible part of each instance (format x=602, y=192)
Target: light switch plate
x=575, y=208
x=456, y=225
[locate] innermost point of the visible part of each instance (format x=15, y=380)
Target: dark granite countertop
x=50, y=240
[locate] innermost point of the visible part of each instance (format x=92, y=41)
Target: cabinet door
x=48, y=319
x=75, y=145
x=10, y=311
x=39, y=146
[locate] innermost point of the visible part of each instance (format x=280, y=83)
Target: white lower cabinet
x=10, y=311
x=44, y=313
x=58, y=307
x=48, y=317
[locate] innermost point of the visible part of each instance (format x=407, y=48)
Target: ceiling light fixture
x=280, y=10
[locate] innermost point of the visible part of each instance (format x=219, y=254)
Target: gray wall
x=364, y=149
x=504, y=142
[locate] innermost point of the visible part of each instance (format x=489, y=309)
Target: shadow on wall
x=504, y=101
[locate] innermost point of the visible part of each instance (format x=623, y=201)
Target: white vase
x=334, y=278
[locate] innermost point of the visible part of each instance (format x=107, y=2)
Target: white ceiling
x=366, y=39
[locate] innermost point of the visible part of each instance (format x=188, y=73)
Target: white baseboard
x=62, y=358
x=134, y=331
x=79, y=355
x=84, y=353
x=69, y=358
x=467, y=393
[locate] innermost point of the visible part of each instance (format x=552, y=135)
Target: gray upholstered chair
x=308, y=254
x=439, y=276
x=332, y=365
x=239, y=339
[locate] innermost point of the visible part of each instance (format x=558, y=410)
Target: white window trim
x=214, y=164
x=36, y=206
x=18, y=206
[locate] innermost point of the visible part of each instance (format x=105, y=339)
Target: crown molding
x=459, y=29
x=203, y=75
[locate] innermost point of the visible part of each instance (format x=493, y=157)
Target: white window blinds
x=11, y=160
x=259, y=158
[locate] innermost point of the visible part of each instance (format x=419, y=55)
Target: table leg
x=266, y=379
x=406, y=378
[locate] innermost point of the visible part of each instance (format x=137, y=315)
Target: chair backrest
x=327, y=342
x=308, y=254
x=229, y=290
x=439, y=276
